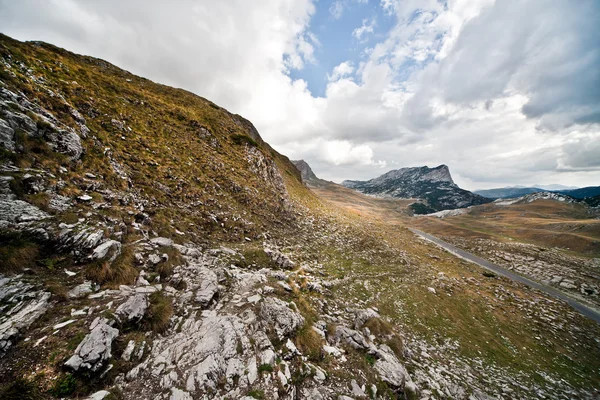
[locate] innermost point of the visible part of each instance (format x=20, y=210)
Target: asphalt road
x=587, y=311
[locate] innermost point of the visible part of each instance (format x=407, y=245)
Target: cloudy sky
x=504, y=92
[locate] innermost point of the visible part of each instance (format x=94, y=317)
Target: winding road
x=586, y=311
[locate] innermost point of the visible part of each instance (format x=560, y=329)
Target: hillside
x=433, y=186
x=153, y=246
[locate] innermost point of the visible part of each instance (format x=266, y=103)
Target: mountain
x=555, y=187
x=507, y=192
x=582, y=193
x=306, y=172
x=434, y=186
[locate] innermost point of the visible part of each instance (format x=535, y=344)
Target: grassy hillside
x=191, y=161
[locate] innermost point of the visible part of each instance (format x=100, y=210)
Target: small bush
x=257, y=394
x=310, y=343
x=159, y=313
x=243, y=139
x=489, y=274
x=378, y=327
x=165, y=268
x=65, y=385
x=396, y=344
x=18, y=251
x=19, y=389
x=265, y=368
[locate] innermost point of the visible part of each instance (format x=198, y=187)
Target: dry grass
x=309, y=343
x=17, y=251
x=165, y=268
x=379, y=327
x=120, y=272
x=159, y=313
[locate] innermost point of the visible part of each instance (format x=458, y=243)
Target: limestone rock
x=111, y=247
x=81, y=290
x=134, y=309
x=278, y=314
x=362, y=316
x=389, y=368
x=24, y=305
x=209, y=287
x=94, y=349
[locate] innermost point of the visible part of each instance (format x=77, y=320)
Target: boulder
x=111, y=247
x=208, y=287
x=277, y=314
x=134, y=309
x=362, y=316
x=94, y=349
x=81, y=290
x=389, y=368
x=350, y=337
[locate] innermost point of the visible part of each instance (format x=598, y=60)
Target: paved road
x=588, y=312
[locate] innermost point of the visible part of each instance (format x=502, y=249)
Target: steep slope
x=434, y=186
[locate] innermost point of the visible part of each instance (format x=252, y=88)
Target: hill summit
x=433, y=186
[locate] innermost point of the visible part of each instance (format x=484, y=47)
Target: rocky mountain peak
x=434, y=187
x=305, y=171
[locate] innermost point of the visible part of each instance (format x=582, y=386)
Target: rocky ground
x=577, y=276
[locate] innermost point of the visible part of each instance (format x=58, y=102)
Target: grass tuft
x=120, y=272
x=159, y=314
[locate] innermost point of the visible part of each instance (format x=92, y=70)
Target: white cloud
x=340, y=71
x=365, y=28
x=337, y=9
x=499, y=96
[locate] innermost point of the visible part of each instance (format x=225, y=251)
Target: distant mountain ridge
x=512, y=192
x=433, y=186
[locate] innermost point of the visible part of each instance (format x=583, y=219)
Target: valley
x=155, y=246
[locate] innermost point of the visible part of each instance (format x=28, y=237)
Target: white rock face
x=277, y=314
x=389, y=368
x=94, y=349
x=111, y=247
x=208, y=288
x=24, y=305
x=134, y=309
x=81, y=290
x=207, y=351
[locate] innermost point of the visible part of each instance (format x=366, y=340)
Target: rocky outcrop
x=95, y=349
x=22, y=304
x=280, y=259
x=17, y=113
x=110, y=247
x=280, y=317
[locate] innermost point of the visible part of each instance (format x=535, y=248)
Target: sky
x=504, y=92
